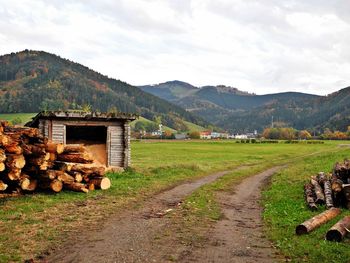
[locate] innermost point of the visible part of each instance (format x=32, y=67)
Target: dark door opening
x=92, y=137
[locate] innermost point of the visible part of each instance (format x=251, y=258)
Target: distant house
x=241, y=136
x=156, y=133
x=205, y=135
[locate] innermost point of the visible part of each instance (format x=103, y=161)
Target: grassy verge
x=19, y=118
x=32, y=224
x=285, y=209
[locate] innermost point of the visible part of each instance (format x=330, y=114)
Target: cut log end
x=334, y=235
x=301, y=230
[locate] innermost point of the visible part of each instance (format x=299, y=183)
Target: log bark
x=63, y=166
x=102, y=183
x=317, y=221
x=336, y=183
x=321, y=178
x=53, y=185
x=320, y=198
x=88, y=169
x=75, y=158
x=328, y=194
x=66, y=178
x=14, y=148
x=52, y=147
x=346, y=194
x=74, y=148
x=339, y=230
x=51, y=174
x=3, y=186
x=309, y=196
x=77, y=187
x=36, y=150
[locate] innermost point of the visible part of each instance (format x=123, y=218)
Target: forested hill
x=31, y=81
x=239, y=111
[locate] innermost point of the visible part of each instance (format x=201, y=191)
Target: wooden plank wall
x=58, y=132
x=127, y=149
x=115, y=146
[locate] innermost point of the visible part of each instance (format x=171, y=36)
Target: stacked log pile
x=29, y=162
x=332, y=190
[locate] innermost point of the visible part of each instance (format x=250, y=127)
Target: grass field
x=23, y=118
x=26, y=222
x=285, y=209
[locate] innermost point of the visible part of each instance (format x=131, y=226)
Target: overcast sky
x=260, y=46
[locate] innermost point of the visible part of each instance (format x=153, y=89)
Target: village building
x=205, y=135
x=106, y=135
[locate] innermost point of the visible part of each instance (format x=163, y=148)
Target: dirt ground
x=133, y=236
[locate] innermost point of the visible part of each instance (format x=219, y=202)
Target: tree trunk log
x=66, y=178
x=77, y=187
x=14, y=148
x=339, y=230
x=52, y=147
x=317, y=221
x=320, y=198
x=54, y=185
x=75, y=158
x=88, y=169
x=102, y=183
x=74, y=148
x=309, y=196
x=346, y=194
x=328, y=194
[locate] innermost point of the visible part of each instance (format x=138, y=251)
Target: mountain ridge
x=239, y=111
x=31, y=81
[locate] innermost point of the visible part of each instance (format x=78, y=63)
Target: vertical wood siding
x=115, y=146
x=127, y=149
x=58, y=132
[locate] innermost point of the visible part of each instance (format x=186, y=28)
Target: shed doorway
x=94, y=138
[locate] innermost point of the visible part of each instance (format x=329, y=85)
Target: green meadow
x=33, y=223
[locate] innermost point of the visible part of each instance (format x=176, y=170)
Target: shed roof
x=81, y=115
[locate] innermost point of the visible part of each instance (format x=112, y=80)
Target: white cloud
x=260, y=46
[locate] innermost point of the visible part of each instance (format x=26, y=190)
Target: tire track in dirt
x=238, y=237
x=129, y=237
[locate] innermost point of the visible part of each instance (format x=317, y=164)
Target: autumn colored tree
x=304, y=134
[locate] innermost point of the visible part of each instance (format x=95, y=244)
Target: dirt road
x=129, y=237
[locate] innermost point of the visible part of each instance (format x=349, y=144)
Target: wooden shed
x=106, y=135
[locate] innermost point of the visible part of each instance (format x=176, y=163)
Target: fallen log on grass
x=102, y=183
x=77, y=187
x=339, y=230
x=317, y=221
x=309, y=196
